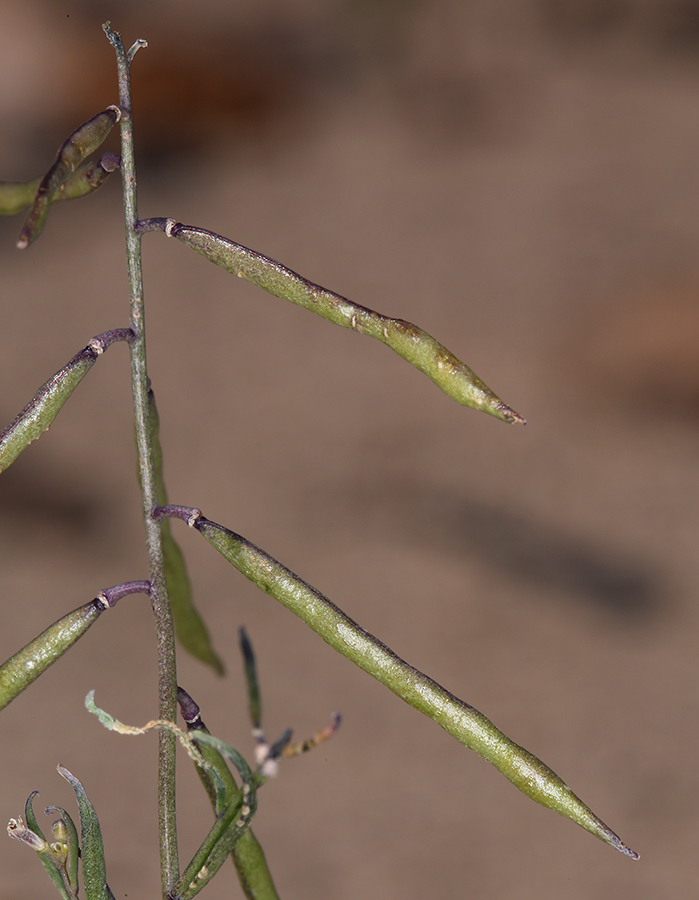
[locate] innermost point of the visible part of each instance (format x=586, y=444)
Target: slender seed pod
x=91, y=847
x=42, y=409
x=416, y=346
x=16, y=196
x=469, y=726
x=39, y=413
x=29, y=663
x=81, y=143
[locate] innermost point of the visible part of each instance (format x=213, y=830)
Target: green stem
x=167, y=685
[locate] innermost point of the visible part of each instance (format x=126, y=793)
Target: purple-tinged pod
x=74, y=150
x=91, y=847
x=42, y=409
x=463, y=721
x=413, y=344
x=16, y=196
x=33, y=660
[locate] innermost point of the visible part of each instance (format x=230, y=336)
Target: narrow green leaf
x=469, y=726
x=247, y=854
x=29, y=663
x=416, y=346
x=230, y=827
x=250, y=668
x=190, y=629
x=92, y=849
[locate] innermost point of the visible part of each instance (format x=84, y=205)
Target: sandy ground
x=520, y=179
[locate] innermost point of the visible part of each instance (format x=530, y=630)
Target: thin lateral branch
x=413, y=344
x=101, y=341
x=111, y=596
x=469, y=726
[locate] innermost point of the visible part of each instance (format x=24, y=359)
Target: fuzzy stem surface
x=167, y=670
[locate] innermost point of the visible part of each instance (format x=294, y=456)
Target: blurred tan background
x=520, y=178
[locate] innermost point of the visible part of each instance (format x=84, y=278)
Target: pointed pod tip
x=507, y=414
x=609, y=837
x=514, y=418
x=627, y=850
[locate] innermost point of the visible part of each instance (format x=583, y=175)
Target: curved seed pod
x=92, y=849
x=469, y=726
x=81, y=143
x=29, y=663
x=247, y=855
x=416, y=346
x=42, y=409
x=190, y=629
x=16, y=196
